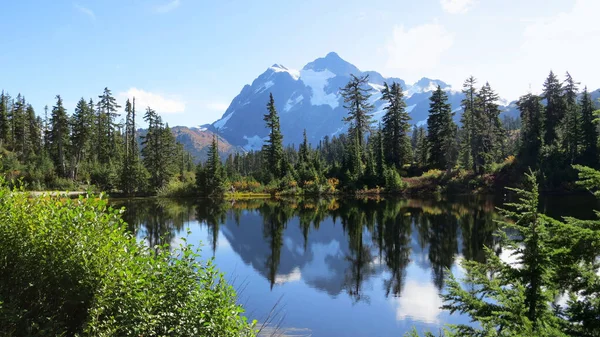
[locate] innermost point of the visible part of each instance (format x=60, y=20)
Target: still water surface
x=336, y=267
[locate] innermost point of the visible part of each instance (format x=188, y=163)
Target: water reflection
x=378, y=260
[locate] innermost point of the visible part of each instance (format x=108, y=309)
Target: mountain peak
x=334, y=63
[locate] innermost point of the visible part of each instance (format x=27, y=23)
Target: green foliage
x=70, y=268
x=393, y=181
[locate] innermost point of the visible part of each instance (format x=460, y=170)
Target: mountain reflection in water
x=337, y=267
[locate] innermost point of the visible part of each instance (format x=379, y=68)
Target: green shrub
x=69, y=267
x=393, y=181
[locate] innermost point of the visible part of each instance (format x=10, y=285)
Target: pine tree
x=570, y=127
x=441, y=131
x=158, y=150
x=4, y=123
x=488, y=132
x=33, y=143
x=512, y=299
x=531, y=130
x=467, y=139
x=273, y=149
x=396, y=126
x=59, y=137
x=212, y=176
x=421, y=152
x=304, y=150
x=555, y=108
x=589, y=135
x=107, y=108
x=81, y=136
x=19, y=126
x=133, y=175
x=356, y=98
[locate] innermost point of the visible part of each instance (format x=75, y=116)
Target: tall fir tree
x=555, y=108
x=82, y=123
x=33, y=144
x=59, y=137
x=356, y=96
x=396, y=126
x=441, y=131
x=273, y=148
x=467, y=139
x=158, y=149
x=19, y=126
x=4, y=123
x=107, y=108
x=571, y=125
x=532, y=131
x=212, y=177
x=133, y=174
x=489, y=134
x=589, y=133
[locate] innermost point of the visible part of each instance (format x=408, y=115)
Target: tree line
x=554, y=130
x=89, y=146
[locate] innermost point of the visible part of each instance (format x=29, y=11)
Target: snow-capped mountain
x=310, y=99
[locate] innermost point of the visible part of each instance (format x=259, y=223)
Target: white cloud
x=167, y=7
x=217, y=106
x=85, y=11
x=417, y=49
x=157, y=102
x=419, y=301
x=457, y=6
x=566, y=41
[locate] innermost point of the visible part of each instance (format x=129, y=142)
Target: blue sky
x=189, y=58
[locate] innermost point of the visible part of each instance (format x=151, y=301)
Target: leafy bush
x=69, y=267
x=177, y=188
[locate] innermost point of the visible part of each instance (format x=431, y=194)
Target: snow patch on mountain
x=292, y=102
x=278, y=68
x=317, y=81
x=410, y=108
x=254, y=143
x=264, y=87
x=377, y=87
x=220, y=124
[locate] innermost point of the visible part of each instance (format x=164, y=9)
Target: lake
x=334, y=267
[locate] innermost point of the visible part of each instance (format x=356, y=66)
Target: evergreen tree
x=4, y=123
x=570, y=127
x=81, y=136
x=555, y=108
x=488, y=132
x=33, y=143
x=133, y=174
x=107, y=108
x=512, y=299
x=396, y=126
x=467, y=139
x=420, y=152
x=59, y=137
x=210, y=178
x=158, y=150
x=273, y=149
x=19, y=126
x=356, y=98
x=441, y=131
x=531, y=130
x=589, y=134
x=304, y=150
